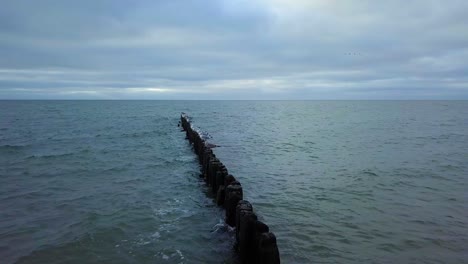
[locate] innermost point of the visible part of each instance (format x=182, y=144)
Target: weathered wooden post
x=247, y=250
x=214, y=164
x=267, y=249
x=220, y=195
x=242, y=207
x=233, y=195
x=220, y=175
x=229, y=179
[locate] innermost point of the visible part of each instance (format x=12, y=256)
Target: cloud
x=235, y=49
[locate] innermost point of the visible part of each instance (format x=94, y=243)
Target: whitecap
x=156, y=235
x=180, y=254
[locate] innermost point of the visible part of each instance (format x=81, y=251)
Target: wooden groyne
x=254, y=241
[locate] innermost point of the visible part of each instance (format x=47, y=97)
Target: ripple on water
x=337, y=182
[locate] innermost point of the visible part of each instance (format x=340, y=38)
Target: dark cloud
x=237, y=49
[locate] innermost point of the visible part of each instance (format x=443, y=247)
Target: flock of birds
x=354, y=54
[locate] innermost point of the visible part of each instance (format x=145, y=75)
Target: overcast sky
x=234, y=49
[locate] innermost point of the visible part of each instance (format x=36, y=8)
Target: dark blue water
x=337, y=181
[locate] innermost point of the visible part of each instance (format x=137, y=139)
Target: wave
x=8, y=147
x=75, y=247
x=144, y=134
x=52, y=156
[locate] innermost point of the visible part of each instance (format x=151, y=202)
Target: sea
x=336, y=181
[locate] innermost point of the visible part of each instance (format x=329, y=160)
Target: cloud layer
x=233, y=49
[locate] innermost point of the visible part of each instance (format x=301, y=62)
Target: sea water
x=336, y=181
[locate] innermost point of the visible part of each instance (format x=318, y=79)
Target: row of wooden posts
x=254, y=241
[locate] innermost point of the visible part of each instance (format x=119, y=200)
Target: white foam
x=156, y=235
x=180, y=254
x=220, y=226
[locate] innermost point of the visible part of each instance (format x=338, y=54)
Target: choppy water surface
x=338, y=182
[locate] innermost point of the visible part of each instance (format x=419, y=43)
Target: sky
x=234, y=49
